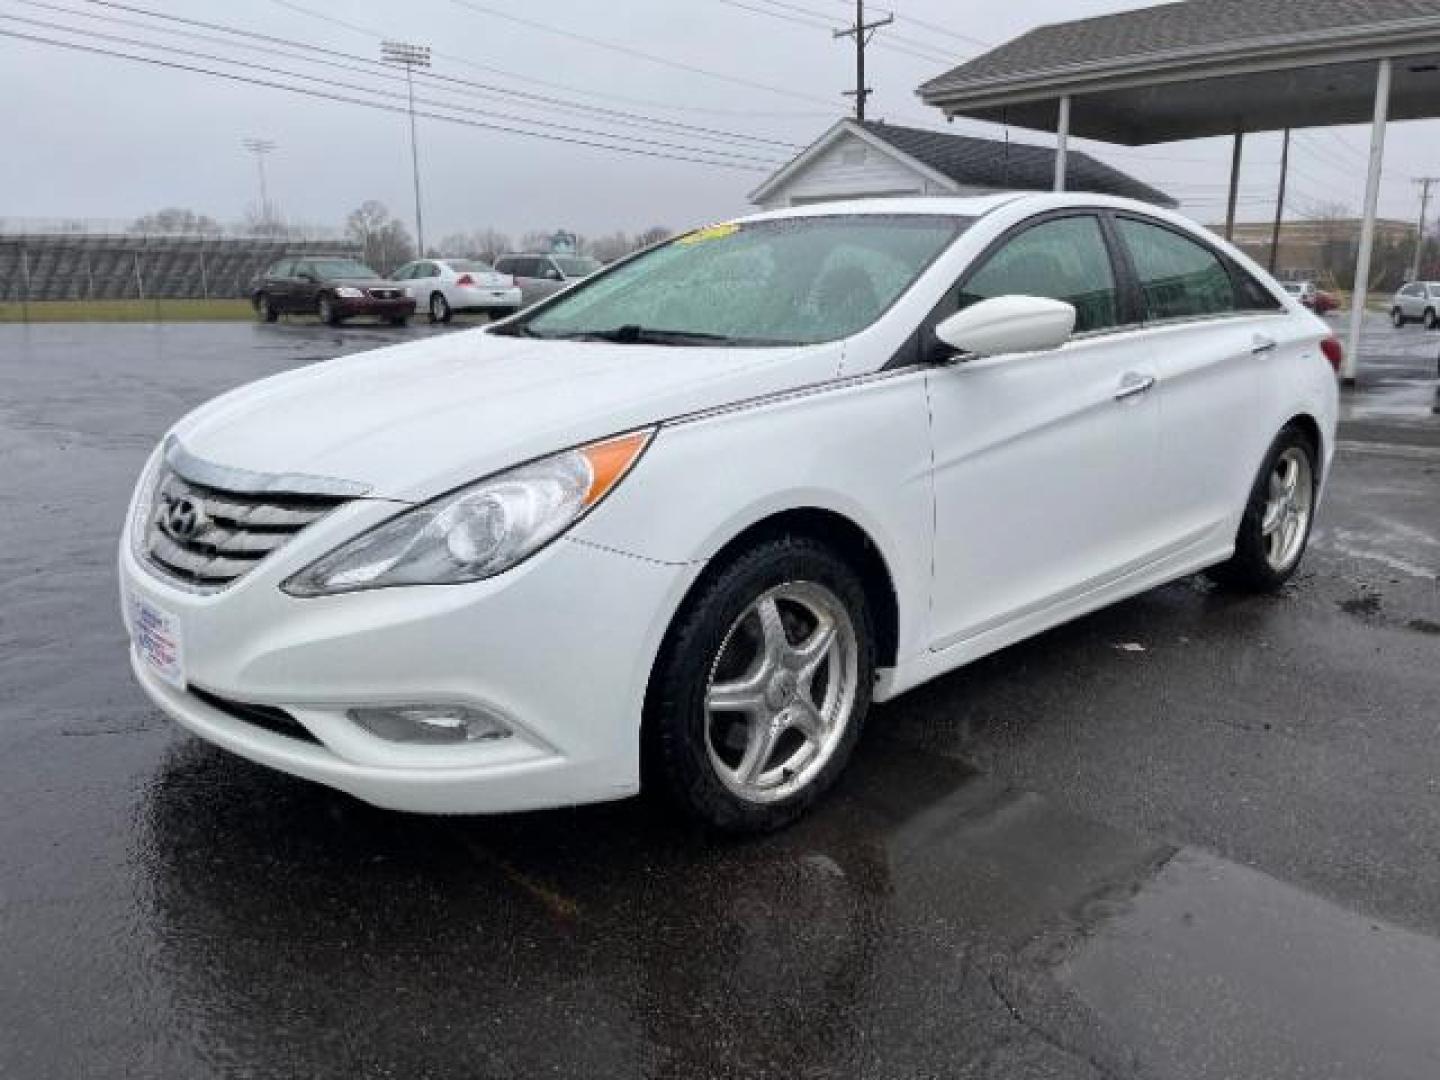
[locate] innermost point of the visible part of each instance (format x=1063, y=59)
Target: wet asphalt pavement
x=1195, y=835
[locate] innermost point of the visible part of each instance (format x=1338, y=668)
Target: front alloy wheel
x=326, y=312
x=439, y=309
x=1397, y=318
x=1431, y=320
x=761, y=690
x=781, y=692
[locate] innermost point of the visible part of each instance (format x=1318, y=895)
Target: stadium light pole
x=410, y=57
x=261, y=147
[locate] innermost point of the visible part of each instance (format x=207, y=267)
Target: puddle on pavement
x=1218, y=970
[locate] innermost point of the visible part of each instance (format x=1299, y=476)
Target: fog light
x=431, y=724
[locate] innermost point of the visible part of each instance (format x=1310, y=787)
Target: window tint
x=280, y=269
x=403, y=273
x=1250, y=295
x=1064, y=259
x=1180, y=279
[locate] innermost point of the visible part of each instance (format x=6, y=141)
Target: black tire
x=400, y=320
x=440, y=309
x=265, y=311
x=1397, y=318
x=678, y=749
x=1431, y=322
x=325, y=311
x=1250, y=569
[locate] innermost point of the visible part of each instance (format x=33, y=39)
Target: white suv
x=1417, y=301
x=701, y=510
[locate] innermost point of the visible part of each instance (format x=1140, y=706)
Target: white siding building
x=855, y=160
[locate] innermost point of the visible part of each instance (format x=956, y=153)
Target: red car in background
x=1311, y=296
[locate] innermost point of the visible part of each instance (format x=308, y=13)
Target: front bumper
x=561, y=647
x=403, y=307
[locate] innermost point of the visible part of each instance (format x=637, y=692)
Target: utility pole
x=261, y=147
x=1424, y=182
x=1280, y=202
x=862, y=32
x=410, y=57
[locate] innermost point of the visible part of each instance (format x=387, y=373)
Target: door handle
x=1133, y=384
x=1262, y=345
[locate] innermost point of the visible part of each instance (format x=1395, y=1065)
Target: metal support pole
x=139, y=278
x=1062, y=142
x=1280, y=202
x=204, y=277
x=1235, y=155
x=1361, y=291
x=89, y=278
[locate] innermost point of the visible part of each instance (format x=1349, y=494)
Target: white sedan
x=445, y=286
x=684, y=522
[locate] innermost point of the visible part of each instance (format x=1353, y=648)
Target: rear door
x=1045, y=464
x=1219, y=339
x=305, y=287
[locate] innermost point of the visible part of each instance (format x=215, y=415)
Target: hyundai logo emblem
x=182, y=518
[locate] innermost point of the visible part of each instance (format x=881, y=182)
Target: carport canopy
x=1203, y=68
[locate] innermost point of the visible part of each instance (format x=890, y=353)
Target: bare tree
x=176, y=219
x=487, y=244
x=385, y=240
x=263, y=221
x=609, y=248
x=652, y=236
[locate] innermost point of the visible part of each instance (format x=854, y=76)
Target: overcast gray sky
x=97, y=137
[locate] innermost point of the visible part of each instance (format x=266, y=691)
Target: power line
x=465, y=61
x=486, y=90
x=365, y=89
x=817, y=20
x=626, y=50
x=364, y=103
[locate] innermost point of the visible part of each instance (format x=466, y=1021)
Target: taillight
x=1334, y=352
x=465, y=279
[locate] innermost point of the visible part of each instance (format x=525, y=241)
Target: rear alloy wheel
x=1276, y=527
x=265, y=310
x=1431, y=322
x=763, y=686
x=1397, y=318
x=439, y=309
x=325, y=309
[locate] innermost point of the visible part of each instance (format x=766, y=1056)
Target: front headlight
x=480, y=530
x=349, y=293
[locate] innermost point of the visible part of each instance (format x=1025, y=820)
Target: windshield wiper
x=634, y=334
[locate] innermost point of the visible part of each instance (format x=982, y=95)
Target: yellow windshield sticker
x=710, y=232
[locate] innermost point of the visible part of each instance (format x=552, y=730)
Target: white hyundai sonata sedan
x=686, y=521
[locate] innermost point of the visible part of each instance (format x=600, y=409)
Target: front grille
x=207, y=537
x=276, y=721
x=385, y=294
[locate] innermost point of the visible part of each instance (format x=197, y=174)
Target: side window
x=403, y=273
x=1064, y=259
x=1250, y=295
x=1179, y=278
x=281, y=269
x=304, y=270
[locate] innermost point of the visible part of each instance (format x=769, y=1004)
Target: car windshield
x=341, y=268
x=787, y=281
x=576, y=265
x=470, y=266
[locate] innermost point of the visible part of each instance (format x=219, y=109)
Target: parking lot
x=1195, y=835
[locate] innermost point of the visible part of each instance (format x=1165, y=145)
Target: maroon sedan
x=332, y=288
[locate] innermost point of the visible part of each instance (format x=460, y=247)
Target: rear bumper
x=483, y=299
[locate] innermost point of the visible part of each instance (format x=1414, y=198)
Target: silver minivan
x=1417, y=301
x=540, y=276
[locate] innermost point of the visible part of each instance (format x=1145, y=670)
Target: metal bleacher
x=125, y=266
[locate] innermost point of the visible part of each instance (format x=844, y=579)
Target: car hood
x=415, y=420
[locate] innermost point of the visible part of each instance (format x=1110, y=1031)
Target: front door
x=1045, y=464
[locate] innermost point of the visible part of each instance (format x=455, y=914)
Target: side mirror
x=1009, y=324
